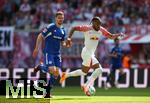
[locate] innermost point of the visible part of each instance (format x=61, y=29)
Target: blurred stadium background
x=22, y=20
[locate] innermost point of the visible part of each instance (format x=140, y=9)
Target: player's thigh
x=95, y=63
x=86, y=58
x=48, y=61
x=112, y=69
x=85, y=69
x=121, y=70
x=54, y=69
x=58, y=61
x=119, y=67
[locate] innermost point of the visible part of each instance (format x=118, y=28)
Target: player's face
x=96, y=24
x=59, y=19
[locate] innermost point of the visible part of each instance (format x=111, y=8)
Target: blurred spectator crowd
x=31, y=14
x=21, y=56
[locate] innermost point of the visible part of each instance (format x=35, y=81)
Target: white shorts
x=88, y=58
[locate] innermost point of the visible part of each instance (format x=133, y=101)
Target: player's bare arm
x=73, y=29
x=83, y=28
x=109, y=35
x=38, y=45
x=66, y=45
x=69, y=40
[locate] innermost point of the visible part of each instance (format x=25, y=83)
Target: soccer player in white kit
x=92, y=35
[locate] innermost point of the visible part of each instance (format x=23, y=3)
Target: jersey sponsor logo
x=57, y=37
x=94, y=38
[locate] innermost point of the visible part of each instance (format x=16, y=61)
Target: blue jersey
x=53, y=37
x=116, y=61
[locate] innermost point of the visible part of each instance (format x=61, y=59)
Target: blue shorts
x=117, y=66
x=52, y=60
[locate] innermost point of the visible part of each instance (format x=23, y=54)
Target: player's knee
x=122, y=71
x=53, y=71
x=85, y=71
x=100, y=69
x=56, y=73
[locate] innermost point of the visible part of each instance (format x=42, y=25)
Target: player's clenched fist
x=68, y=43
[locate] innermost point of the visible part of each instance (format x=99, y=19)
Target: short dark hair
x=59, y=13
x=96, y=18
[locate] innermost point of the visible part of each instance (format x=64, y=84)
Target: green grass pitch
x=75, y=95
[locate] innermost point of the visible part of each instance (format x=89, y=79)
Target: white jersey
x=91, y=36
x=91, y=40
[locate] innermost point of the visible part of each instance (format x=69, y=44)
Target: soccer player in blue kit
x=116, y=63
x=52, y=36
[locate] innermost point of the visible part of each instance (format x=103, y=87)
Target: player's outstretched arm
x=68, y=42
x=66, y=45
x=73, y=29
x=38, y=45
x=109, y=35
x=82, y=28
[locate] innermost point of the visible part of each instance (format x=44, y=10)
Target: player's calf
x=54, y=71
x=36, y=68
x=63, y=78
x=107, y=85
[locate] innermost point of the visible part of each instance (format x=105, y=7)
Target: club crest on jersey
x=94, y=38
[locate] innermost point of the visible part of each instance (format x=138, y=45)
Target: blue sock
x=50, y=84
